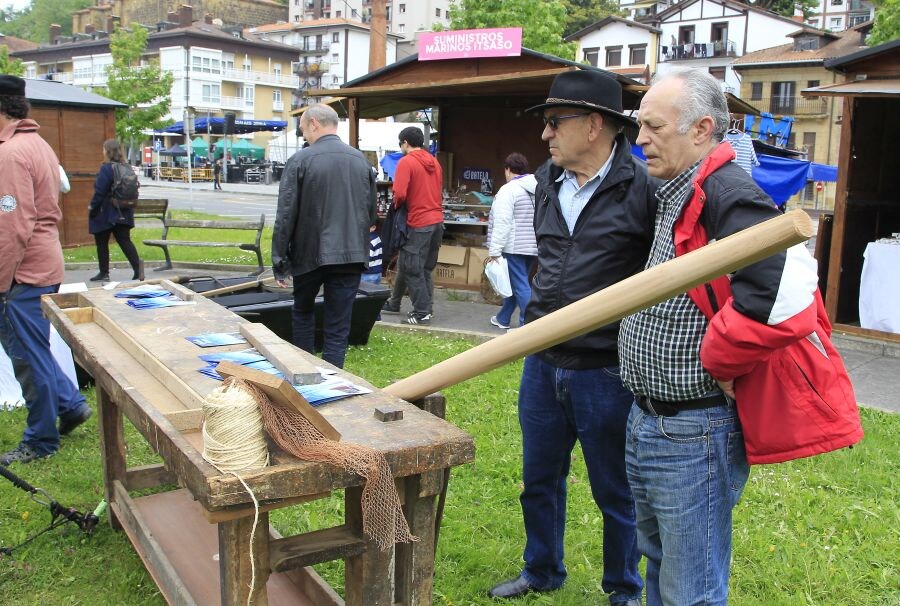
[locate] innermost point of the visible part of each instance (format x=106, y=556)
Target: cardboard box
x=452, y=267
x=476, y=265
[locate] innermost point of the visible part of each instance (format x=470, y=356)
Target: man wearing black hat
x=31, y=265
x=593, y=219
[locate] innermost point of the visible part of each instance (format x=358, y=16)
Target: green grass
x=88, y=253
x=821, y=531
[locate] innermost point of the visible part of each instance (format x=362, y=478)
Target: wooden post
x=842, y=189
x=415, y=561
x=353, y=119
x=112, y=447
x=615, y=302
x=368, y=577
x=235, y=569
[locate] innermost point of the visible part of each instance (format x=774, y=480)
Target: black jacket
x=326, y=204
x=610, y=242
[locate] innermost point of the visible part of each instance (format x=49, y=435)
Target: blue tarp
x=389, y=163
x=216, y=126
x=822, y=172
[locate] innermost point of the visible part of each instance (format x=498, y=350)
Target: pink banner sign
x=470, y=43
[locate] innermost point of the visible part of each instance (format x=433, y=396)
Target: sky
x=16, y=4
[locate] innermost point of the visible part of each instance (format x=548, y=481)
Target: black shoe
x=391, y=309
x=101, y=277
x=73, y=420
x=23, y=453
x=514, y=588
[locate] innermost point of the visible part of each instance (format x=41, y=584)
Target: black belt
x=670, y=409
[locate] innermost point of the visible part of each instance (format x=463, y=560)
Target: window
x=336, y=37
x=637, y=54
x=837, y=2
x=782, y=101
x=806, y=43
x=276, y=95
x=206, y=65
x=402, y=9
x=686, y=34
x=335, y=80
x=297, y=18
x=812, y=84
x=337, y=14
x=211, y=93
x=717, y=72
x=613, y=56
x=756, y=91
x=809, y=144
x=437, y=13
x=719, y=32
x=401, y=29
x=835, y=23
x=276, y=70
x=591, y=55
x=335, y=59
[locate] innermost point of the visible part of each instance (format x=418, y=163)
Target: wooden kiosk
x=75, y=123
x=194, y=532
x=867, y=205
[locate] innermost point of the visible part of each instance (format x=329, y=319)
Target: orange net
x=383, y=519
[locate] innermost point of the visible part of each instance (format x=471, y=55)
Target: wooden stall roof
x=514, y=82
x=48, y=92
x=888, y=87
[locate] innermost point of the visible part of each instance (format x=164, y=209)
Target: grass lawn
x=821, y=531
x=149, y=229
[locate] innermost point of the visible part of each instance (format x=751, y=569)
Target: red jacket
x=794, y=397
x=418, y=183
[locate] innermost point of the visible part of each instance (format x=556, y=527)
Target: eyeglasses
x=553, y=121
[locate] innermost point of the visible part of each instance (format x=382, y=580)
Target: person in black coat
x=105, y=219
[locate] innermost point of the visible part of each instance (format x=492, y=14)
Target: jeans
x=556, y=407
x=48, y=392
x=519, y=268
x=687, y=472
x=122, y=233
x=340, y=293
x=418, y=257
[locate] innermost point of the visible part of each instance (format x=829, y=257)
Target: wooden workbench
x=195, y=540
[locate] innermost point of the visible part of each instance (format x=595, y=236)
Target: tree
x=144, y=89
x=581, y=13
x=13, y=67
x=33, y=22
x=887, y=22
x=542, y=22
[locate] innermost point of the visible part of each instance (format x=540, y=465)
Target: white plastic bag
x=64, y=186
x=497, y=273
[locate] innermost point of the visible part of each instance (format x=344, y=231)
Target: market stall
x=867, y=206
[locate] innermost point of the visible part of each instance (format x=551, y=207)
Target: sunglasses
x=553, y=121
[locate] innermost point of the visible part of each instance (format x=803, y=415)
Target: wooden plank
x=315, y=547
x=186, y=420
x=156, y=368
x=195, y=223
x=112, y=447
x=149, y=476
x=80, y=315
x=203, y=243
x=290, y=360
x=415, y=561
x=244, y=565
x=215, y=516
x=388, y=413
x=281, y=393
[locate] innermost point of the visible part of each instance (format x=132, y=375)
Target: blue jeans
x=48, y=392
x=556, y=407
x=340, y=293
x=687, y=472
x=519, y=268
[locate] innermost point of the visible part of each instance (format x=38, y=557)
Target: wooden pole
x=613, y=303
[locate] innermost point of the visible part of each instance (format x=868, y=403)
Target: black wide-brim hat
x=587, y=89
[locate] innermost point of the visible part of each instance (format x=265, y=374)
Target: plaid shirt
x=659, y=347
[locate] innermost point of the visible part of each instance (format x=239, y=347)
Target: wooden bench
x=152, y=208
x=169, y=222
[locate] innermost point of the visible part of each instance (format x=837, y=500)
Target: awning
x=216, y=126
x=889, y=87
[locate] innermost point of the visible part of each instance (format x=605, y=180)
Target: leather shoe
x=101, y=277
x=514, y=588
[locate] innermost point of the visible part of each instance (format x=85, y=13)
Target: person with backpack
x=111, y=211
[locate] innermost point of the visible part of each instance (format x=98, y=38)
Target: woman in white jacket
x=511, y=235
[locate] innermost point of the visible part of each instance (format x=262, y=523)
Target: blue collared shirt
x=573, y=199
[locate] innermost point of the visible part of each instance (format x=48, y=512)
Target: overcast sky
x=16, y=4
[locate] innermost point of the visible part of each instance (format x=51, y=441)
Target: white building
x=838, y=15
x=711, y=34
x=332, y=51
x=618, y=45
x=404, y=17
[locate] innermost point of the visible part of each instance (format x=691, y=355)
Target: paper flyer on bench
x=157, y=302
x=215, y=339
x=144, y=291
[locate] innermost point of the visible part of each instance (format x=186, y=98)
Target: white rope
x=233, y=440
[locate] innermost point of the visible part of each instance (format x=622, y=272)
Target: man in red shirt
x=418, y=184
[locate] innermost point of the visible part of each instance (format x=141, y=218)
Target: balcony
x=67, y=77
x=791, y=106
x=247, y=77
x=277, y=106
x=698, y=50
x=312, y=47
x=311, y=68
x=237, y=103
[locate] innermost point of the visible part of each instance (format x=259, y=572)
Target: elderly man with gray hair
x=326, y=204
x=690, y=359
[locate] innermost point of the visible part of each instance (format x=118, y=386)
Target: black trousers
x=122, y=234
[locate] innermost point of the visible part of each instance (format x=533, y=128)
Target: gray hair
x=323, y=114
x=701, y=96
